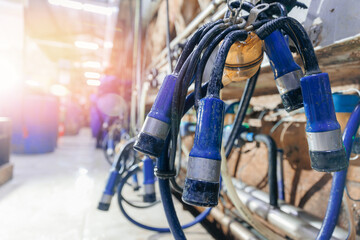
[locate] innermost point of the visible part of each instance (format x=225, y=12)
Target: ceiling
x=55, y=28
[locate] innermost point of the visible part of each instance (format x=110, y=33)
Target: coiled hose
x=120, y=198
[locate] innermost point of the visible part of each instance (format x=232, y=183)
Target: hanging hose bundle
x=185, y=77
x=205, y=154
x=151, y=138
x=182, y=82
x=161, y=128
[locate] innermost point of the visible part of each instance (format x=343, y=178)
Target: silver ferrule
x=149, y=188
x=155, y=127
x=106, y=198
x=325, y=141
x=289, y=81
x=203, y=169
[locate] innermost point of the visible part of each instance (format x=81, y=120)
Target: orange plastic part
x=243, y=60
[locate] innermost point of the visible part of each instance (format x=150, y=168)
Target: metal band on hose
x=203, y=169
x=155, y=127
x=106, y=198
x=325, y=141
x=289, y=81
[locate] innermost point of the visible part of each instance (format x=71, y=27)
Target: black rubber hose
x=175, y=186
x=272, y=154
x=204, y=59
x=218, y=70
x=185, y=77
x=189, y=47
x=209, y=26
x=259, y=23
x=298, y=34
x=194, y=40
x=182, y=85
x=240, y=115
x=133, y=170
x=282, y=9
x=138, y=206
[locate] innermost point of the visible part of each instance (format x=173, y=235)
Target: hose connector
x=327, y=152
x=149, y=180
x=151, y=138
x=202, y=181
x=104, y=203
x=287, y=73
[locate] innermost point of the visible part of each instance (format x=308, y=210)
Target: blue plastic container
x=35, y=130
x=345, y=103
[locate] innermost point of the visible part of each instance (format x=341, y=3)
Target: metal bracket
x=254, y=13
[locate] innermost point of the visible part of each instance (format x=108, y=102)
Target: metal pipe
x=134, y=94
x=188, y=30
x=168, y=36
x=234, y=227
x=314, y=221
x=139, y=64
x=292, y=226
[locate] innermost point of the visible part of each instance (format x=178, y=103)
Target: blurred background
x=53, y=57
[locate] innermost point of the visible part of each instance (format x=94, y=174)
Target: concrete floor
x=54, y=196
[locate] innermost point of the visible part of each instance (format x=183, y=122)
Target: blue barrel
x=35, y=130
